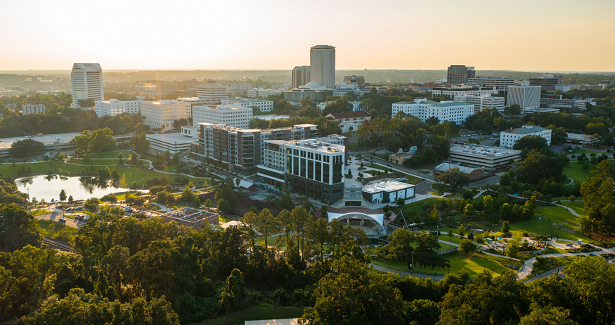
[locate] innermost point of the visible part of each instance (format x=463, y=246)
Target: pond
x=49, y=186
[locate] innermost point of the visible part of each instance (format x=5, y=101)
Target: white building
x=509, y=138
x=452, y=92
x=114, y=107
x=444, y=111
x=322, y=65
x=86, y=82
x=171, y=142
x=229, y=115
x=387, y=192
x=501, y=83
x=489, y=158
x=263, y=105
x=257, y=92
x=482, y=102
x=162, y=114
x=32, y=109
x=524, y=96
x=211, y=91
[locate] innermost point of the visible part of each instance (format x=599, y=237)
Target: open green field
x=257, y=312
x=578, y=206
x=555, y=220
x=577, y=173
x=418, y=206
x=112, y=154
x=475, y=264
x=106, y=161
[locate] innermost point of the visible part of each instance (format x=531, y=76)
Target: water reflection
x=49, y=186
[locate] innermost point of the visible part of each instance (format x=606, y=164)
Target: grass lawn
x=57, y=231
x=257, y=312
x=577, y=173
x=112, y=154
x=106, y=161
x=555, y=220
x=474, y=264
x=578, y=206
x=578, y=151
x=418, y=206
x=39, y=212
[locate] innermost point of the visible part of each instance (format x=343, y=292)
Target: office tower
x=547, y=81
x=87, y=83
x=459, y=74
x=301, y=76
x=524, y=96
x=322, y=65
x=229, y=115
x=211, y=91
x=444, y=111
x=162, y=113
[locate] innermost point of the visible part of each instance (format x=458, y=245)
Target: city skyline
x=531, y=36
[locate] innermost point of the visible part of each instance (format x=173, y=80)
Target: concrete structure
x=211, y=91
x=301, y=76
x=270, y=117
x=310, y=90
x=371, y=221
x=582, y=139
x=387, y=192
x=230, y=115
x=195, y=101
x=473, y=173
x=459, y=74
x=509, y=138
x=32, y=109
x=444, y=111
x=162, y=114
x=190, y=131
x=86, y=83
x=114, y=107
x=238, y=88
x=192, y=217
x=52, y=142
x=500, y=83
x=253, y=93
x=352, y=117
x=241, y=149
x=452, y=92
x=307, y=167
x=488, y=158
x=482, y=102
x=262, y=104
x=524, y=96
x=322, y=65
x=171, y=142
x=547, y=81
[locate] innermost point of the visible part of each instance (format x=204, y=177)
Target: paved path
x=529, y=264
x=557, y=270
x=571, y=210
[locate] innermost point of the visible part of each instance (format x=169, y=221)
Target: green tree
x=469, y=209
x=120, y=156
x=513, y=109
x=26, y=147
x=505, y=227
x=91, y=204
x=20, y=228
x=70, y=199
x=224, y=206
x=488, y=204
x=208, y=203
x=454, y=177
x=530, y=142
x=461, y=231
x=139, y=144
x=286, y=201
x=548, y=316
x=62, y=195
x=234, y=292
x=467, y=246
x=115, y=174
x=598, y=194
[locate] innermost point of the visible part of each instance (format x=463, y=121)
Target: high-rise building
x=87, y=83
x=301, y=76
x=32, y=109
x=322, y=65
x=211, y=91
x=459, y=74
x=547, y=81
x=162, y=113
x=524, y=96
x=115, y=107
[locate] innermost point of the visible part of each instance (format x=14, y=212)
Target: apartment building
x=524, y=96
x=86, y=83
x=482, y=102
x=241, y=149
x=162, y=114
x=444, y=111
x=500, y=83
x=114, y=107
x=509, y=138
x=230, y=115
x=263, y=105
x=311, y=167
x=32, y=109
x=211, y=91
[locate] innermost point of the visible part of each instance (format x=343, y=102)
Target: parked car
x=62, y=220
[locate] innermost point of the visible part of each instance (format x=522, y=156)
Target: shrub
x=466, y=246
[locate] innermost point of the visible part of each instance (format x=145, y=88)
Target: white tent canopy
x=377, y=219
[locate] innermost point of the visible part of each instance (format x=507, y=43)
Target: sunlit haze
x=491, y=35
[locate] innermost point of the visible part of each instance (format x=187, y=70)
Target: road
x=402, y=169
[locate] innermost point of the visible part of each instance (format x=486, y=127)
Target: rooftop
x=446, y=166
x=270, y=117
x=170, y=138
x=244, y=99
x=312, y=144
x=388, y=186
x=47, y=140
x=349, y=114
x=526, y=129
x=487, y=152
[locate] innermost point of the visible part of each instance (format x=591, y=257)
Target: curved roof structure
x=312, y=84
x=376, y=219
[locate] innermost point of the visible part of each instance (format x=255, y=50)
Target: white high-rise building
x=444, y=111
x=509, y=138
x=162, y=114
x=211, y=91
x=86, y=82
x=525, y=96
x=322, y=65
x=482, y=102
x=114, y=107
x=32, y=109
x=230, y=115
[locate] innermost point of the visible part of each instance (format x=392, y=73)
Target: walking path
x=403, y=273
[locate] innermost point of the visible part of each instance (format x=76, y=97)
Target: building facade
x=524, y=96
x=488, y=158
x=444, y=111
x=459, y=74
x=211, y=91
x=114, y=107
x=238, y=88
x=301, y=76
x=500, y=83
x=482, y=102
x=387, y=192
x=263, y=105
x=547, y=81
x=509, y=138
x=162, y=114
x=32, y=109
x=452, y=92
x=230, y=115
x=86, y=83
x=322, y=65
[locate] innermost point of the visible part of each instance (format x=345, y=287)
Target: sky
x=536, y=35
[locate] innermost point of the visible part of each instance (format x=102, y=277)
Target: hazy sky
x=539, y=35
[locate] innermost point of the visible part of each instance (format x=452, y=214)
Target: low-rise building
x=171, y=142
x=253, y=93
x=351, y=117
x=509, y=138
x=114, y=107
x=194, y=218
x=400, y=157
x=230, y=115
x=451, y=92
x=32, y=109
x=488, y=158
x=482, y=102
x=52, y=142
x=162, y=113
x=582, y=139
x=262, y=104
x=444, y=111
x=387, y=192
x=473, y=173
